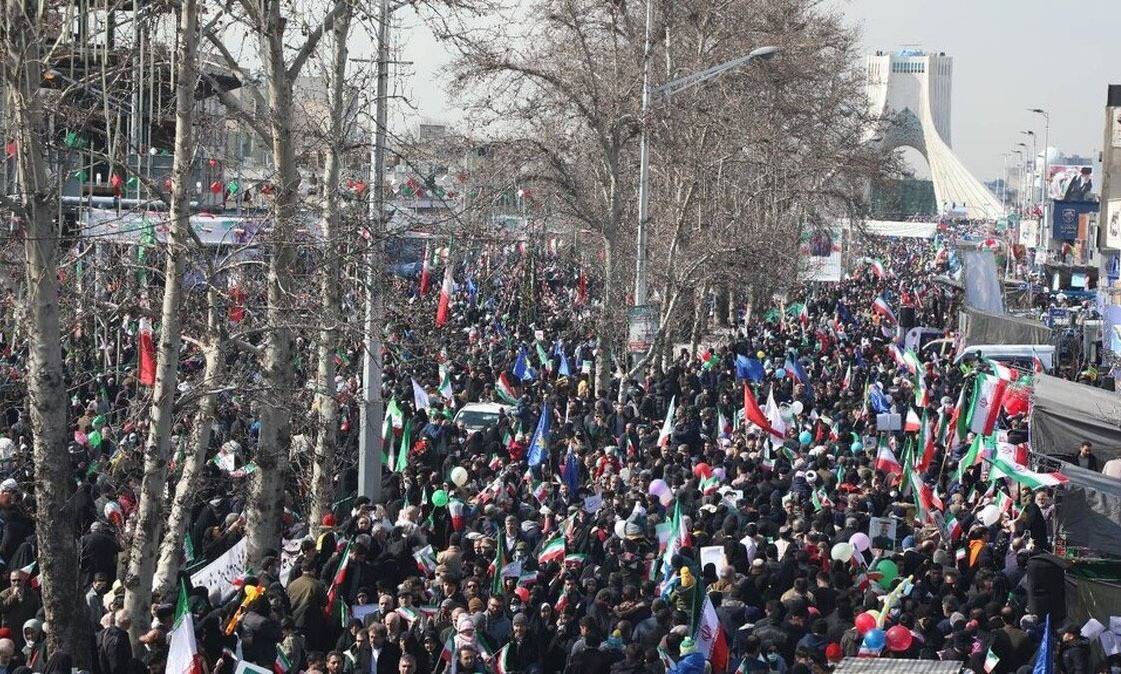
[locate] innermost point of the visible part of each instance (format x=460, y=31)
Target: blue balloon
x=857, y=447
x=805, y=437
x=874, y=639
x=780, y=373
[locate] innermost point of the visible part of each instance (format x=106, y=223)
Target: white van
x=1017, y=355
x=477, y=416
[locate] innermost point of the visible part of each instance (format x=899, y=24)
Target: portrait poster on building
x=821, y=252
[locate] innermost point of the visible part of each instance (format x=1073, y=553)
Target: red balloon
x=864, y=622
x=899, y=638
x=216, y=187
x=702, y=470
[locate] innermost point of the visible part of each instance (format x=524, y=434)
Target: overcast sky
x=1009, y=55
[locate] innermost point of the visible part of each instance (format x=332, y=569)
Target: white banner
x=220, y=574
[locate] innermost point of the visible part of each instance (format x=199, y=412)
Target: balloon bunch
x=661, y=490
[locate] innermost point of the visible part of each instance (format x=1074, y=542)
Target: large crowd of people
x=739, y=509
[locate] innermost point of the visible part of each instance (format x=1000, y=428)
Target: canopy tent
x=1089, y=511
x=1065, y=413
x=985, y=327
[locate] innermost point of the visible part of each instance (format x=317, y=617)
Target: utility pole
x=373, y=407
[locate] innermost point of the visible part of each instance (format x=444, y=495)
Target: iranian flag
x=425, y=280
x=425, y=560
x=886, y=461
x=455, y=510
x=500, y=658
x=1026, y=477
x=880, y=306
x=925, y=445
x=445, y=296
x=505, y=390
x=710, y=638
x=847, y=381
x=552, y=551
x=971, y=458
x=183, y=656
x=340, y=576
x=445, y=389
x=878, y=269
x=147, y=368
x=991, y=660
x=774, y=416
x=667, y=425
x=913, y=423
x=984, y=407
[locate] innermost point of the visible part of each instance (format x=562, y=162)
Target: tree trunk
x=605, y=339
x=149, y=523
x=265, y=504
x=700, y=318
x=194, y=458
x=35, y=206
x=323, y=467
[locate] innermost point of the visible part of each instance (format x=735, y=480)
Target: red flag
x=147, y=370
x=445, y=297
x=755, y=415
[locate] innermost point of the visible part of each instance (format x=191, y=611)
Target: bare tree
x=26, y=35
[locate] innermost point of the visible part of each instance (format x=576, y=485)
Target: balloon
x=439, y=498
x=856, y=448
x=459, y=476
x=621, y=529
x=865, y=622
x=216, y=187
x=702, y=470
x=780, y=373
x=760, y=355
x=719, y=473
x=989, y=515
x=860, y=541
x=98, y=421
x=657, y=487
x=888, y=572
x=666, y=497
x=805, y=437
x=899, y=638
x=625, y=474
x=95, y=439
x=114, y=514
x=842, y=552
x=81, y=438
x=797, y=407
x=874, y=639
x=233, y=187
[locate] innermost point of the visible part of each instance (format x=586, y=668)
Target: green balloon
x=439, y=497
x=99, y=421
x=233, y=188
x=95, y=439
x=887, y=569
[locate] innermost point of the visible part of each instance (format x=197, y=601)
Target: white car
x=477, y=416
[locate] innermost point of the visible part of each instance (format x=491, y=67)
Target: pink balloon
x=658, y=487
x=80, y=438
x=899, y=638
x=860, y=541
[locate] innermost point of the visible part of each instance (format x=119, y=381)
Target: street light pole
x=1034, y=163
x=1020, y=187
x=373, y=406
x=643, y=168
x=1045, y=230
x=663, y=92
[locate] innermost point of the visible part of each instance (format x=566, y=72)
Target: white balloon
x=625, y=474
x=621, y=529
x=842, y=552
x=989, y=515
x=459, y=476
x=796, y=407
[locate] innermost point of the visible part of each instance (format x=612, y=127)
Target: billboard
x=1069, y=219
x=1112, y=225
x=1029, y=233
x=821, y=249
x=1069, y=182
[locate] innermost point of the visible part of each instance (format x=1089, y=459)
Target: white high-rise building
x=909, y=94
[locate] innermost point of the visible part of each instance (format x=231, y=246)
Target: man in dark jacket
x=379, y=652
x=308, y=597
x=114, y=650
x=99, y=551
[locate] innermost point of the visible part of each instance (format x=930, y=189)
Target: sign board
x=1068, y=217
x=1029, y=233
x=643, y=326
x=821, y=250
x=1111, y=232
